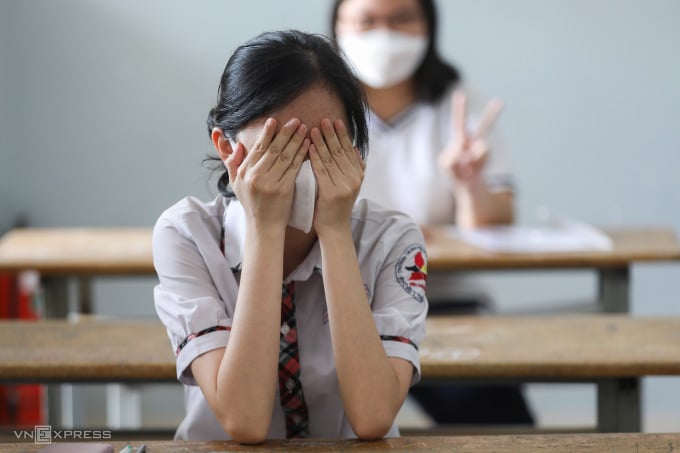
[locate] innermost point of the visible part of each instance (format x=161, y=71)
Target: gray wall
x=9, y=149
x=102, y=110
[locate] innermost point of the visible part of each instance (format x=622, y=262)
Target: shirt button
x=285, y=329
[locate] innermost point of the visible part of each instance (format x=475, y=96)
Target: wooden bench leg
x=56, y=305
x=614, y=289
x=63, y=296
x=84, y=295
x=124, y=406
x=618, y=408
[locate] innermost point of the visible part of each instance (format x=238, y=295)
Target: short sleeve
x=186, y=299
x=398, y=302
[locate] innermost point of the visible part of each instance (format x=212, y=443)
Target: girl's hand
x=339, y=171
x=264, y=179
x=467, y=153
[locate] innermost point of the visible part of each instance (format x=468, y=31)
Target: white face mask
x=382, y=58
x=304, y=198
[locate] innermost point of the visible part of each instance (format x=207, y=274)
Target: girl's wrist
x=470, y=187
x=332, y=233
x=265, y=231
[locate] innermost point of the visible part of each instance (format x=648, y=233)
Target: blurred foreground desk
x=535, y=443
x=629, y=246
x=613, y=351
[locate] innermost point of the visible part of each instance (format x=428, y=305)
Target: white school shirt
x=402, y=173
x=198, y=288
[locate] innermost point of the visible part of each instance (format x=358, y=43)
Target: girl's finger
x=287, y=154
x=323, y=178
x=331, y=139
x=491, y=112
x=234, y=160
x=336, y=149
x=278, y=143
x=350, y=151
x=459, y=113
x=478, y=149
x=480, y=158
x=324, y=154
x=261, y=144
x=296, y=162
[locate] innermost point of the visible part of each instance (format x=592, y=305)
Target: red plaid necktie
x=290, y=388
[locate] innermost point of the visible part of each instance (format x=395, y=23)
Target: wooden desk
x=64, y=254
x=87, y=252
x=111, y=251
x=613, y=351
x=629, y=246
x=91, y=351
x=78, y=251
x=534, y=443
x=60, y=254
x=550, y=347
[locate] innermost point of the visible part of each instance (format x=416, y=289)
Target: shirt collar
x=311, y=264
x=234, y=240
x=398, y=121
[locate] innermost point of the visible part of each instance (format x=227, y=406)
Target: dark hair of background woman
x=434, y=76
x=271, y=70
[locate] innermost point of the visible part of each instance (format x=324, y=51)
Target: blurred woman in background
x=435, y=156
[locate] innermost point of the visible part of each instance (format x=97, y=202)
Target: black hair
x=434, y=76
x=271, y=70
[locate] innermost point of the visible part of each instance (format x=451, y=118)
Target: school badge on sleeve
x=411, y=271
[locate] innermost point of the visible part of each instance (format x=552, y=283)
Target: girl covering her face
x=285, y=329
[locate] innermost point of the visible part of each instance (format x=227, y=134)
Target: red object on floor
x=20, y=405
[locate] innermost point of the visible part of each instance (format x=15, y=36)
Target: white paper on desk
x=556, y=234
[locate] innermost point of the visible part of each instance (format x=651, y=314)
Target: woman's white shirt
x=199, y=285
x=401, y=168
x=402, y=174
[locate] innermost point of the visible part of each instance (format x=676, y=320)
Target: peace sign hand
x=467, y=153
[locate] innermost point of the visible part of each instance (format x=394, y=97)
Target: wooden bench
x=552, y=347
x=613, y=351
x=54, y=350
x=534, y=443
